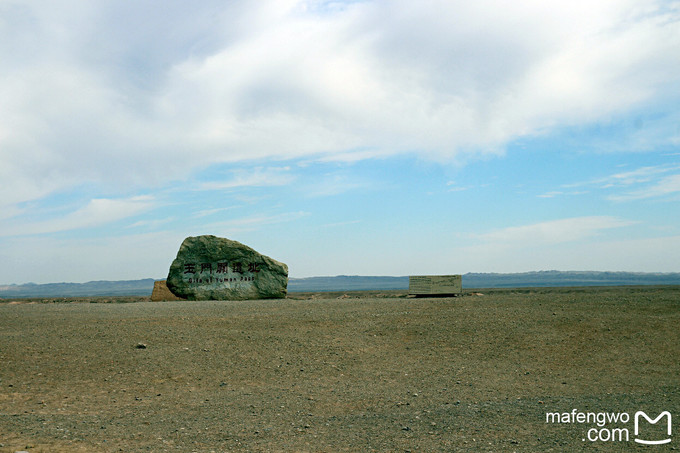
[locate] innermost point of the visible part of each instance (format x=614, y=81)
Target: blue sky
x=360, y=138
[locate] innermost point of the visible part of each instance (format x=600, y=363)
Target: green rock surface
x=213, y=268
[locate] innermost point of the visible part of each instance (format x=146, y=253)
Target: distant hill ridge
x=360, y=283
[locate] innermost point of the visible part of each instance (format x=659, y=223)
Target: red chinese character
x=190, y=268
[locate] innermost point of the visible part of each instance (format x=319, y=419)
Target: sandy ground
x=340, y=372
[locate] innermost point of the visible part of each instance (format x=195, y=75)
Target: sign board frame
x=435, y=285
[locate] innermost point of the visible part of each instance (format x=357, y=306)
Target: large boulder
x=214, y=268
x=162, y=293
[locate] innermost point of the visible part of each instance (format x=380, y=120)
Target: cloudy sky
x=341, y=137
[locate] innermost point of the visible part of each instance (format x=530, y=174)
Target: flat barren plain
x=335, y=372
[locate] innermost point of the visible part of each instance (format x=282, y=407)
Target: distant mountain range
x=479, y=280
x=359, y=283
x=89, y=289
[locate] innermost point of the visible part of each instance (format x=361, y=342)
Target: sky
x=340, y=137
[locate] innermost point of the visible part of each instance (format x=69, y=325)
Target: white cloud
x=637, y=176
x=229, y=228
x=335, y=183
x=551, y=194
x=669, y=185
x=340, y=224
x=638, y=184
x=209, y=212
x=553, y=232
x=151, y=224
x=122, y=94
x=255, y=177
x=559, y=193
x=99, y=211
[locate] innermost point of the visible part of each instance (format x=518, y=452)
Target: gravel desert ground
x=341, y=372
